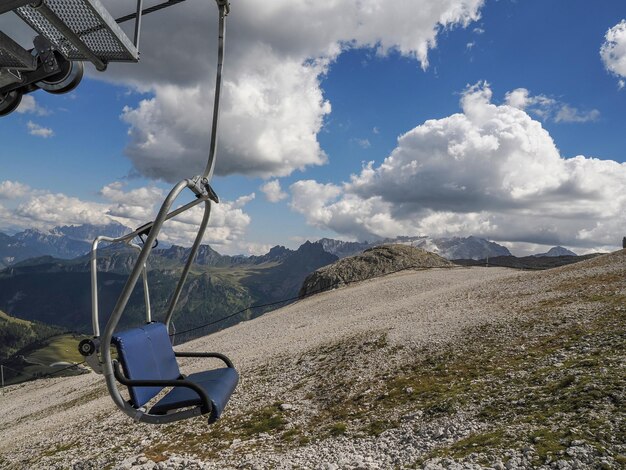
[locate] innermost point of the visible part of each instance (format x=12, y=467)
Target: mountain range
x=450, y=248
x=69, y=242
x=46, y=275
x=63, y=242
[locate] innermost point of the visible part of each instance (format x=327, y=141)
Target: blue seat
x=218, y=384
x=146, y=353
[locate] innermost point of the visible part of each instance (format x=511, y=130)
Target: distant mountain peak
x=558, y=251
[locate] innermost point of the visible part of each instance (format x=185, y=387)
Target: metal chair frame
x=97, y=351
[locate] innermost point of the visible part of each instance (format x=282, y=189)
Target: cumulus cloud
x=49, y=210
x=227, y=225
x=30, y=105
x=273, y=192
x=12, y=189
x=547, y=108
x=571, y=114
x=131, y=207
x=273, y=106
x=491, y=170
x=39, y=131
x=613, y=51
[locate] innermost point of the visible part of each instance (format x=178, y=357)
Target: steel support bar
x=70, y=35
x=149, y=225
x=138, y=16
x=95, y=320
x=190, y=260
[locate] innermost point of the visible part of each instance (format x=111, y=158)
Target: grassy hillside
x=42, y=357
x=16, y=334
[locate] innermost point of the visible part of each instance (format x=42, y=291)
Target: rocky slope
x=463, y=368
x=373, y=262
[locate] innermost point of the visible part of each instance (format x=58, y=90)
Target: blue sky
x=311, y=102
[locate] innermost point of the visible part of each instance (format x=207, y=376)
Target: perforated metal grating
x=91, y=22
x=12, y=55
x=8, y=61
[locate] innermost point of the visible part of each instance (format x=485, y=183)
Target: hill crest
x=373, y=262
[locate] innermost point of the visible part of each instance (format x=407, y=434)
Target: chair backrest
x=146, y=354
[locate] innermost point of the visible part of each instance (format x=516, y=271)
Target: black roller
x=66, y=80
x=86, y=347
x=9, y=102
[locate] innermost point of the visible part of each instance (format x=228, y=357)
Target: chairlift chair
x=71, y=31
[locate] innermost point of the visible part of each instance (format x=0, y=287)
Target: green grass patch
x=264, y=420
x=337, y=429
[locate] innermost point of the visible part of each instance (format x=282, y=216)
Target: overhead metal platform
x=69, y=33
x=80, y=30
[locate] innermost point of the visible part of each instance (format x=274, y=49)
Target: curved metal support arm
x=224, y=358
x=206, y=405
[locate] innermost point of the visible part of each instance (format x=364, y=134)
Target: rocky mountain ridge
x=373, y=262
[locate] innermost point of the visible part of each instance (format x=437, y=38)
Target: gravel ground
x=298, y=362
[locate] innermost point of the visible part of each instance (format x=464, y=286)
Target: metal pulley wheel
x=9, y=102
x=66, y=80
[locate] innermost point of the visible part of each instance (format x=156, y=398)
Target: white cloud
x=137, y=204
x=363, y=143
x=490, y=171
x=13, y=189
x=43, y=210
x=548, y=109
x=269, y=123
x=227, y=225
x=613, y=51
x=273, y=191
x=273, y=106
x=48, y=210
x=30, y=105
x=311, y=198
x=571, y=114
x=39, y=131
